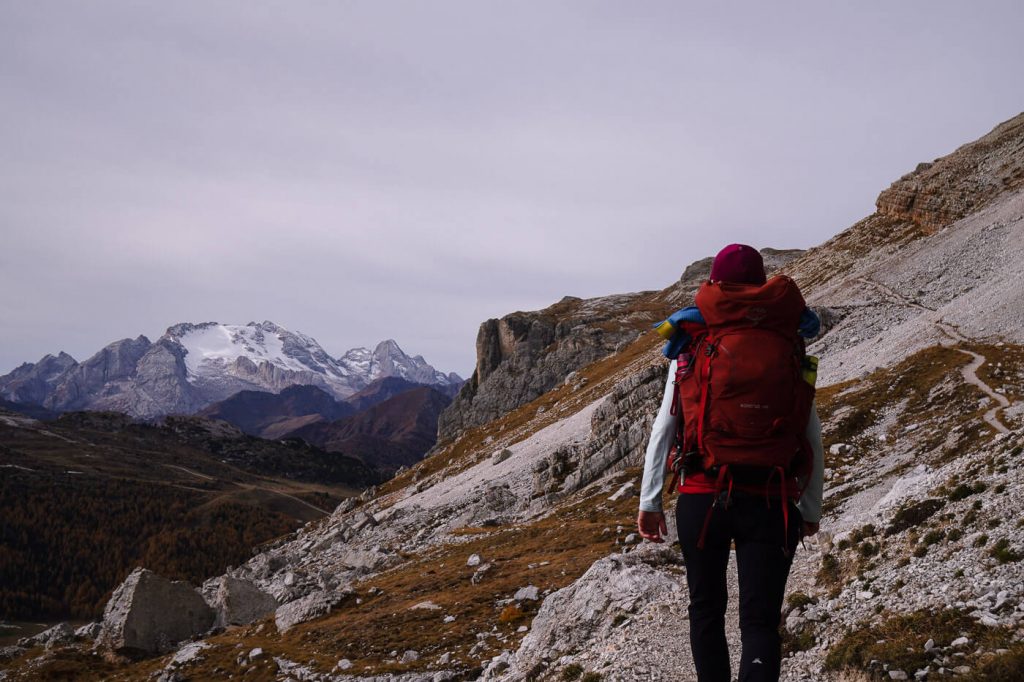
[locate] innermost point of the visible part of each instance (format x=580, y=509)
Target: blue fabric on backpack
x=810, y=325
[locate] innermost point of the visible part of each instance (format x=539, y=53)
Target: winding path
x=250, y=486
x=969, y=371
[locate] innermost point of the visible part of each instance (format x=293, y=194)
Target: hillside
x=391, y=434
x=88, y=496
x=271, y=415
x=509, y=552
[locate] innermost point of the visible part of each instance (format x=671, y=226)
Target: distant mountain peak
x=195, y=364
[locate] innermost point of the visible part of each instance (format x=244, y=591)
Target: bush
x=965, y=490
x=573, y=671
x=914, y=515
x=899, y=640
x=798, y=600
x=1003, y=553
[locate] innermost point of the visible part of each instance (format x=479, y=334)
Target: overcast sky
x=365, y=170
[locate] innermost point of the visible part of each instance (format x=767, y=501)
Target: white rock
x=473, y=560
x=309, y=607
x=188, y=654
x=625, y=491
x=410, y=656
x=959, y=642
x=58, y=635
x=344, y=664
x=500, y=456
x=149, y=613
x=256, y=652
x=89, y=631
x=236, y=601
x=528, y=593
x=427, y=605
x=897, y=675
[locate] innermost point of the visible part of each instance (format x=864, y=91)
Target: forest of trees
x=66, y=543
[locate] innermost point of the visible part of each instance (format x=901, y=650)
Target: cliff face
x=937, y=194
x=525, y=354
x=933, y=196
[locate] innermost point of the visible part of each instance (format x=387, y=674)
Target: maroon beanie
x=738, y=263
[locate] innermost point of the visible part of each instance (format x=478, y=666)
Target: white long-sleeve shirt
x=663, y=435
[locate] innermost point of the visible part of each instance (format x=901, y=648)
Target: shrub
x=965, y=490
x=829, y=572
x=573, y=671
x=1003, y=553
x=1005, y=667
x=511, y=614
x=868, y=549
x=899, y=640
x=914, y=515
x=798, y=600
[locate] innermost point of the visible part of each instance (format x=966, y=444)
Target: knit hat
x=740, y=264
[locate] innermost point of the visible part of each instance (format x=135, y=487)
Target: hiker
x=741, y=479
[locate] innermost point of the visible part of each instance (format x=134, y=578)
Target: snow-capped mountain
x=220, y=358
x=388, y=360
x=194, y=365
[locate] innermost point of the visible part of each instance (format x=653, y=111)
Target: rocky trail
x=970, y=374
x=955, y=337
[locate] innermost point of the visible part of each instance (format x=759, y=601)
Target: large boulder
x=307, y=608
x=588, y=610
x=61, y=634
x=149, y=614
x=236, y=601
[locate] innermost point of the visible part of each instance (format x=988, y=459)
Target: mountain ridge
x=193, y=365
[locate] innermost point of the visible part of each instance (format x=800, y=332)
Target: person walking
x=738, y=417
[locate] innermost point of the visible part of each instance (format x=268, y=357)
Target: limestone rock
x=528, y=593
x=586, y=610
x=148, y=614
x=59, y=635
x=307, y=608
x=237, y=601
x=525, y=354
x=89, y=631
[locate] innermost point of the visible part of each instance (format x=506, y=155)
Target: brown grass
x=569, y=540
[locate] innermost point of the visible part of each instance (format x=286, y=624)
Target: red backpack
x=739, y=384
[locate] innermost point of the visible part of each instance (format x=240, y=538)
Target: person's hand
x=651, y=525
x=810, y=528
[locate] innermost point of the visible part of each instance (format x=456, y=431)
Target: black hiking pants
x=756, y=526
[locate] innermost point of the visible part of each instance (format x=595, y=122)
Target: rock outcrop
x=309, y=607
x=525, y=354
x=612, y=590
x=236, y=601
x=620, y=427
x=933, y=196
x=148, y=614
